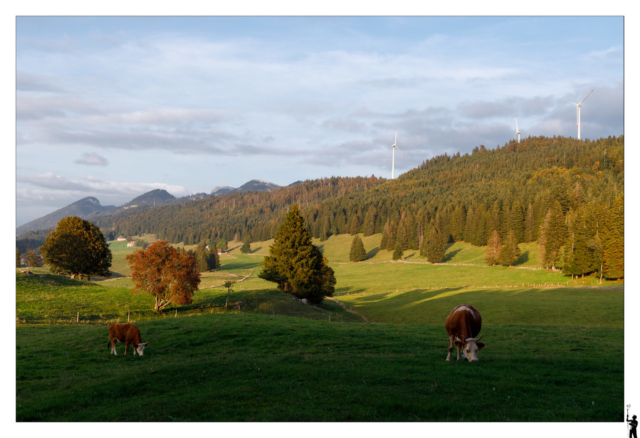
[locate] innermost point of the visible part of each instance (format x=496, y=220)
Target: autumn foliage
x=166, y=274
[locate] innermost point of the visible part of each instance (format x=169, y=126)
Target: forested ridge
x=522, y=187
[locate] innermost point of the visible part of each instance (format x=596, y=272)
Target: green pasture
x=577, y=307
x=256, y=367
x=51, y=299
x=278, y=359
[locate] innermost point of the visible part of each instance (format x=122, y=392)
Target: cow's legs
x=458, y=348
x=450, y=347
x=126, y=349
x=113, y=346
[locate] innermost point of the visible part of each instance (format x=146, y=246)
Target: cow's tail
x=109, y=343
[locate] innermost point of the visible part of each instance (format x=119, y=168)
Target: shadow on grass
x=524, y=258
x=255, y=250
x=450, y=255
x=372, y=253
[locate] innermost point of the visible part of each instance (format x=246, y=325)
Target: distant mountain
x=154, y=197
x=83, y=208
x=255, y=185
x=222, y=190
x=295, y=183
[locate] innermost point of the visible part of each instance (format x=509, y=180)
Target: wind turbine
x=393, y=159
x=517, y=130
x=578, y=105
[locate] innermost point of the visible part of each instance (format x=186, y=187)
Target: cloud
x=34, y=82
x=481, y=109
x=53, y=182
x=92, y=159
x=341, y=124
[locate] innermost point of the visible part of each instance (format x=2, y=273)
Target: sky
x=113, y=107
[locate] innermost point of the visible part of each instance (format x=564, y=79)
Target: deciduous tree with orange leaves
x=166, y=274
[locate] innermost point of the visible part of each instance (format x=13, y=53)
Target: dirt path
x=349, y=310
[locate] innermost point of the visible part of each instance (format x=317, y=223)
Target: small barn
x=131, y=244
x=121, y=239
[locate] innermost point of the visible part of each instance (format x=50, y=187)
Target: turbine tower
x=517, y=130
x=393, y=155
x=578, y=105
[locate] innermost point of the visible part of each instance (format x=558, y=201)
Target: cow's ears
x=146, y=343
x=458, y=343
x=480, y=345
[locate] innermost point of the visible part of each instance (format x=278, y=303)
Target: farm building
x=131, y=244
x=121, y=239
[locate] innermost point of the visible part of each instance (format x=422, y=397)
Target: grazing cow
x=463, y=325
x=127, y=333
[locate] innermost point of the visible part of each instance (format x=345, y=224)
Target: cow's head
x=140, y=348
x=470, y=347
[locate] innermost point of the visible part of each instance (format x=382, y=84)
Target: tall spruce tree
x=555, y=234
x=435, y=246
x=516, y=221
x=492, y=251
x=357, y=253
x=510, y=252
x=370, y=222
x=354, y=228
x=18, y=258
x=397, y=252
x=295, y=264
x=530, y=225
x=246, y=245
x=613, y=245
x=385, y=236
x=392, y=235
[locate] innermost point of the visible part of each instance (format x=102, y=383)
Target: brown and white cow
x=127, y=333
x=463, y=325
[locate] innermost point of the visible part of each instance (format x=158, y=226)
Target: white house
x=121, y=239
x=131, y=244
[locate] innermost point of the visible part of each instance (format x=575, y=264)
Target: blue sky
x=114, y=107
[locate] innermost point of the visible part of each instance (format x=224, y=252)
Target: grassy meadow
x=278, y=359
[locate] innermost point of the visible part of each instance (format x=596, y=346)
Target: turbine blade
x=396, y=140
x=586, y=96
x=516, y=117
x=400, y=151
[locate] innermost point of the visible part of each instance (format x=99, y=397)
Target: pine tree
x=370, y=222
x=510, y=252
x=555, y=235
x=494, y=246
x=354, y=228
x=357, y=252
x=214, y=259
x=469, y=227
x=295, y=264
x=613, y=247
x=529, y=225
x=397, y=252
x=385, y=236
x=202, y=259
x=392, y=235
x=435, y=246
x=246, y=246
x=516, y=221
x=18, y=261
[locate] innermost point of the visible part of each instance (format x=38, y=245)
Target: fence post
x=78, y=318
x=176, y=314
x=128, y=313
